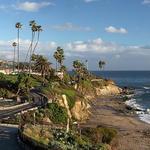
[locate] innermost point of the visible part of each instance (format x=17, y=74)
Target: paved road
x=8, y=138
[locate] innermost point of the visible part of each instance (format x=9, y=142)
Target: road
x=8, y=138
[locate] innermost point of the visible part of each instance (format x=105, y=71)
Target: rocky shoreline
x=133, y=134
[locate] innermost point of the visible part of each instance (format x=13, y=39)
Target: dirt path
x=133, y=133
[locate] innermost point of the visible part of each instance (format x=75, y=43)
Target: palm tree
x=59, y=56
x=102, y=64
x=56, y=58
x=14, y=44
x=86, y=61
x=41, y=65
x=33, y=29
x=78, y=66
x=39, y=29
x=18, y=26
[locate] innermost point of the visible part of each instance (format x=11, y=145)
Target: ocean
x=140, y=82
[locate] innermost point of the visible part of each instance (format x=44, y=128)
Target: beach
x=133, y=134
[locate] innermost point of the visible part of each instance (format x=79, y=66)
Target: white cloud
x=71, y=27
x=146, y=2
x=6, y=49
x=81, y=49
x=32, y=6
x=94, y=46
x=27, y=6
x=89, y=1
x=112, y=29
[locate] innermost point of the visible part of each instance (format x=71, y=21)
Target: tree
x=102, y=64
x=14, y=44
x=18, y=26
x=41, y=65
x=59, y=56
x=23, y=83
x=39, y=29
x=33, y=26
x=79, y=68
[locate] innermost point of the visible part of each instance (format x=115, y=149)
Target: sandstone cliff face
x=108, y=90
x=80, y=111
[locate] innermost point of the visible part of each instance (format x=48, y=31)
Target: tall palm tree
x=102, y=64
x=14, y=44
x=59, y=56
x=33, y=26
x=41, y=65
x=39, y=29
x=18, y=26
x=56, y=58
x=86, y=61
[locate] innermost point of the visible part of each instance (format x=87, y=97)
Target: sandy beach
x=133, y=134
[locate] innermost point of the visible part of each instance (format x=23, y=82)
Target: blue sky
x=117, y=31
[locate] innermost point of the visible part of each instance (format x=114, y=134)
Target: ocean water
x=140, y=82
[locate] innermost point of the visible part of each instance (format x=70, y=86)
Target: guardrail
x=13, y=107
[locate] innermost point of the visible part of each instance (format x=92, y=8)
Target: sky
x=116, y=31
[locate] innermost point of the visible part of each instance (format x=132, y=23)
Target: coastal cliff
x=80, y=109
x=77, y=100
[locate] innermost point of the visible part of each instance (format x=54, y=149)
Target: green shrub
x=2, y=76
x=108, y=134
x=100, y=134
x=4, y=93
x=58, y=114
x=70, y=97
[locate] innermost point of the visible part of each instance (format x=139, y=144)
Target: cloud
x=94, y=46
x=112, y=29
x=6, y=49
x=71, y=27
x=146, y=2
x=93, y=50
x=32, y=6
x=26, y=6
x=89, y=1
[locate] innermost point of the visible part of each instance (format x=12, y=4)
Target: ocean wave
x=144, y=114
x=139, y=92
x=132, y=102
x=146, y=88
x=145, y=118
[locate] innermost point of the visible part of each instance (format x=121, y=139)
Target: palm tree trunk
x=14, y=59
x=56, y=66
x=18, y=51
x=30, y=52
x=36, y=42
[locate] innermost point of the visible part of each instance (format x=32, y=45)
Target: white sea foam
x=133, y=104
x=146, y=88
x=143, y=114
x=139, y=92
x=130, y=95
x=145, y=118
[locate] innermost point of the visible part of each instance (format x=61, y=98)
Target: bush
x=108, y=134
x=4, y=93
x=58, y=114
x=70, y=97
x=100, y=134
